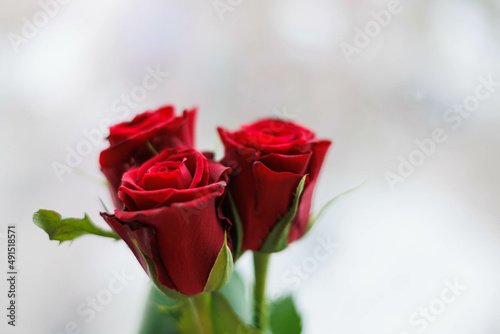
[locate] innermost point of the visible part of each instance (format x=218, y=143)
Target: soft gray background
x=268, y=58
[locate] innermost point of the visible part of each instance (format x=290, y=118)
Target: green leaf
x=161, y=314
x=314, y=218
x=225, y=319
x=69, y=228
x=277, y=240
x=284, y=317
x=222, y=269
x=238, y=226
x=236, y=293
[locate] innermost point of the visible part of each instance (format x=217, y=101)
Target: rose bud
x=173, y=221
x=134, y=142
x=272, y=160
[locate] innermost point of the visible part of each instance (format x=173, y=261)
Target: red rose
x=129, y=142
x=269, y=159
x=173, y=218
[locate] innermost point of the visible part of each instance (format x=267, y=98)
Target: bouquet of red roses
x=188, y=218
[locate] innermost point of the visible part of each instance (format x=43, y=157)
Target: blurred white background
x=395, y=247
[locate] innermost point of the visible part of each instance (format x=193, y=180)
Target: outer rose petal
x=268, y=204
x=300, y=223
x=147, y=121
x=296, y=164
x=247, y=153
x=136, y=200
x=146, y=239
x=191, y=237
x=218, y=172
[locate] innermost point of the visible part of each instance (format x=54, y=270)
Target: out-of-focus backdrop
x=409, y=91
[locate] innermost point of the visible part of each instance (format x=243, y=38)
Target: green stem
x=261, y=315
x=200, y=305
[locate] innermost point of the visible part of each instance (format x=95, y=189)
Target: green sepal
x=314, y=218
x=284, y=317
x=238, y=227
x=68, y=229
x=222, y=269
x=277, y=240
